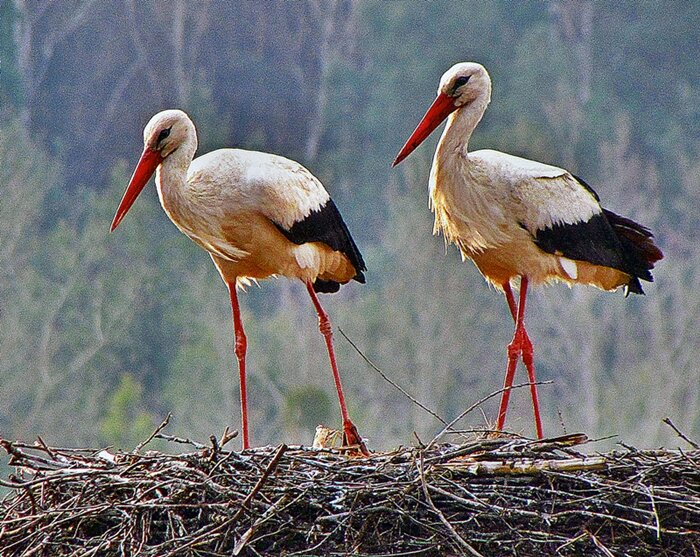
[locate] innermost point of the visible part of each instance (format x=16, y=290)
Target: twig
x=656, y=511
x=392, y=383
x=568, y=440
x=185, y=441
x=45, y=447
x=412, y=500
x=600, y=545
x=265, y=475
x=478, y=446
x=476, y=405
x=17, y=456
x=209, y=532
x=440, y=515
x=215, y=449
x=245, y=538
x=692, y=443
x=528, y=466
x=228, y=436
x=155, y=433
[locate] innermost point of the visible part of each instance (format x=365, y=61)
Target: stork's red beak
x=149, y=161
x=441, y=108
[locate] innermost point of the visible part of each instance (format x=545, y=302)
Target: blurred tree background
x=102, y=334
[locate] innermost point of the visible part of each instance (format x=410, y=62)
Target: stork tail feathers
x=341, y=259
x=326, y=286
x=335, y=268
x=636, y=237
x=638, y=245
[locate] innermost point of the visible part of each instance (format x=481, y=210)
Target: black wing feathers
x=593, y=240
x=605, y=239
x=327, y=225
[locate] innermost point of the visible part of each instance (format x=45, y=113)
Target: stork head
x=167, y=132
x=463, y=85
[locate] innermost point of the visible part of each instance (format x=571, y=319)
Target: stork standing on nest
x=258, y=215
x=521, y=219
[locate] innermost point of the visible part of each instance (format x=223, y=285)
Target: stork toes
x=351, y=438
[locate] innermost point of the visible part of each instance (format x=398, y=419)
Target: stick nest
x=486, y=497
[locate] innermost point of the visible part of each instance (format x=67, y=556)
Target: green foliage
x=125, y=423
x=305, y=407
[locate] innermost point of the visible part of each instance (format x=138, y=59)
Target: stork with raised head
x=519, y=219
x=258, y=215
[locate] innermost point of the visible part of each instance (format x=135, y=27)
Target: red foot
x=352, y=437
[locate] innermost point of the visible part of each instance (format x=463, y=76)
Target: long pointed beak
x=145, y=168
x=441, y=108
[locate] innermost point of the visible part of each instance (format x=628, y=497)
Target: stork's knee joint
x=514, y=350
x=240, y=347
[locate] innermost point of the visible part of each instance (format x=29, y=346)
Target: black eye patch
x=163, y=134
x=461, y=80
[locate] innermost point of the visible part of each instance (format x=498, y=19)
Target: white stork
x=258, y=215
x=521, y=219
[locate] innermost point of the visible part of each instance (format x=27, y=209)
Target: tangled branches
x=490, y=497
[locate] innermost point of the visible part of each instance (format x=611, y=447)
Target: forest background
x=101, y=335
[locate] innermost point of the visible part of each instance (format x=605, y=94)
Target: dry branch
x=498, y=496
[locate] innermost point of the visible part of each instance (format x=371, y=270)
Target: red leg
x=513, y=353
x=528, y=360
x=520, y=345
x=511, y=301
x=351, y=435
x=241, y=345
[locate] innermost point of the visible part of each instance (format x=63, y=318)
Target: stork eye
x=461, y=80
x=163, y=134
